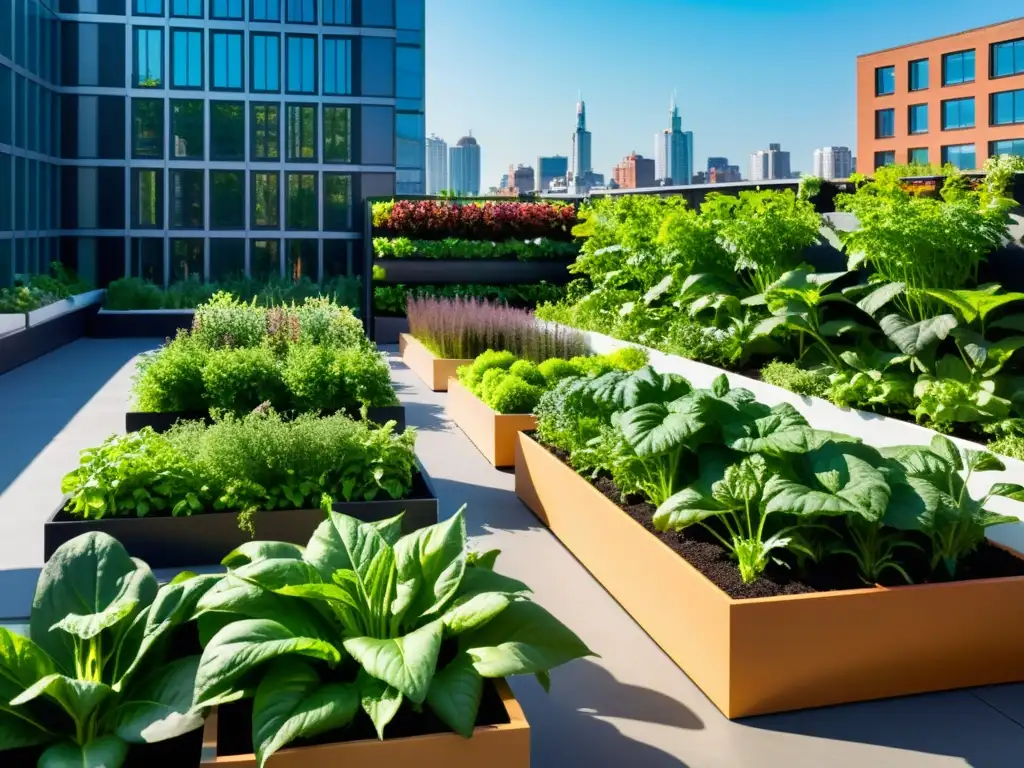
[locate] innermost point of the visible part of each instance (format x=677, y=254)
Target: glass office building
x=201, y=139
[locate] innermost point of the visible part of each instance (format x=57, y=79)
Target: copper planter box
x=493, y=433
x=763, y=655
x=435, y=371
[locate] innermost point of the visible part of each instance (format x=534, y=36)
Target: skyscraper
x=163, y=139
x=464, y=166
x=581, y=164
x=437, y=165
x=833, y=162
x=673, y=150
x=771, y=163
x=551, y=168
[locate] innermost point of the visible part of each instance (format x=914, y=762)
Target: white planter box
x=880, y=431
x=62, y=307
x=9, y=323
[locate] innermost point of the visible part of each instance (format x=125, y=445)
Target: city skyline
x=751, y=96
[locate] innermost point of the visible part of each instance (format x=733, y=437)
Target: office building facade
x=833, y=163
x=204, y=139
x=464, y=166
x=673, y=150
x=769, y=164
x=550, y=169
x=957, y=99
x=437, y=165
x=634, y=172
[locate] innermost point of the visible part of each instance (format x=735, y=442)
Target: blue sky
x=747, y=72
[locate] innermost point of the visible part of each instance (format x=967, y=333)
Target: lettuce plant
x=364, y=620
x=95, y=676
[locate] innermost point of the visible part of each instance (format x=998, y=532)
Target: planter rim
x=122, y=312
x=455, y=380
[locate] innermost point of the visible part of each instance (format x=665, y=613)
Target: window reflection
x=337, y=11
x=149, y=57
x=148, y=128
x=187, y=129
x=266, y=10
x=265, y=200
x=301, y=11
x=187, y=259
x=378, y=74
x=147, y=197
x=337, y=202
x=186, y=192
x=301, y=260
x=301, y=137
x=266, y=131
x=186, y=58
x=265, y=259
x=227, y=66
x=337, y=66
x=300, y=203
x=266, y=63
x=227, y=199
x=227, y=130
x=338, y=134
x=301, y=64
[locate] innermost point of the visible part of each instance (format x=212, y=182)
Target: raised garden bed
x=11, y=322
x=493, y=433
x=435, y=371
x=791, y=651
x=490, y=271
x=161, y=422
x=140, y=323
x=204, y=538
x=500, y=740
x=37, y=338
x=63, y=307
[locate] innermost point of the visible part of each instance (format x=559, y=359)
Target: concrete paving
x=632, y=707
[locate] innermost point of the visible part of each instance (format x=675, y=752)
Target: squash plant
x=95, y=674
x=363, y=619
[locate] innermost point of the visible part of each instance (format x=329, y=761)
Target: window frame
x=288, y=176
x=992, y=146
x=386, y=25
x=349, y=221
x=264, y=20
x=945, y=65
x=363, y=68
x=878, y=123
x=253, y=197
x=136, y=82
x=202, y=57
x=348, y=43
x=145, y=14
x=910, y=155
x=887, y=152
x=227, y=33
x=252, y=59
x=200, y=15
x=171, y=134
x=287, y=138
x=253, y=142
x=216, y=17
x=943, y=126
x=213, y=104
x=303, y=38
x=301, y=4
x=944, y=154
x=910, y=119
x=134, y=190
x=212, y=206
x=878, y=80
x=1017, y=93
x=203, y=206
x=353, y=111
x=334, y=22
x=927, y=75
x=1018, y=47
x=134, y=153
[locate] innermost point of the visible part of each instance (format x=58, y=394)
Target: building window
x=918, y=156
x=337, y=202
x=266, y=10
x=227, y=130
x=378, y=69
x=187, y=9
x=377, y=134
x=337, y=134
x=300, y=11
x=917, y=118
x=186, y=58
x=187, y=259
x=266, y=132
x=265, y=260
x=147, y=198
x=301, y=132
x=958, y=68
x=337, y=66
x=337, y=258
x=265, y=200
x=409, y=14
x=146, y=259
x=883, y=159
x=885, y=123
x=409, y=83
x=186, y=191
x=885, y=81
x=1007, y=147
x=918, y=75
x=187, y=129
x=1008, y=58
x=227, y=199
x=266, y=63
x=301, y=63
x=957, y=113
x=378, y=13
x=300, y=203
x=227, y=259
x=961, y=156
x=301, y=260
x=148, y=128
x=149, y=57
x=1008, y=107
x=226, y=9
x=410, y=139
x=142, y=7
x=337, y=12
x=226, y=65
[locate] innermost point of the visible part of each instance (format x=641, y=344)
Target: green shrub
x=238, y=380
x=1011, y=445
x=133, y=293
x=172, y=379
x=513, y=395
x=323, y=322
x=365, y=377
x=627, y=359
x=795, y=379
x=555, y=369
x=487, y=384
x=307, y=372
x=528, y=372
x=224, y=321
x=471, y=375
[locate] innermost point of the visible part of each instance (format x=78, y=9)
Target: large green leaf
x=470, y=612
x=946, y=449
x=22, y=663
x=657, y=428
x=291, y=702
x=880, y=296
x=244, y=644
x=431, y=563
x=252, y=551
x=379, y=700
x=973, y=305
x=88, y=626
x=405, y=663
x=104, y=752
x=686, y=508
x=915, y=339
x=648, y=386
x=783, y=431
x=79, y=698
x=522, y=639
x=275, y=573
x=390, y=529
x=159, y=706
x=455, y=695
x=18, y=729
x=85, y=576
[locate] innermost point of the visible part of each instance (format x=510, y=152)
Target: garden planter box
x=205, y=538
x=11, y=322
x=495, y=746
x=763, y=655
x=140, y=323
x=161, y=422
x=482, y=271
x=492, y=432
x=386, y=330
x=36, y=339
x=435, y=371
x=64, y=306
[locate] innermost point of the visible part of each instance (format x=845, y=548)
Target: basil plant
x=95, y=674
x=361, y=619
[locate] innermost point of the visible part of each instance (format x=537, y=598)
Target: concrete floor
x=632, y=707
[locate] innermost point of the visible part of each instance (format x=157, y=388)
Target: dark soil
x=836, y=572
x=234, y=724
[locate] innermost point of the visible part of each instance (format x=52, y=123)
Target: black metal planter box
x=24, y=346
x=483, y=271
x=161, y=422
x=140, y=323
x=205, y=538
x=386, y=330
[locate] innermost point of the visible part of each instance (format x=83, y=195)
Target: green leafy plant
x=454, y=248
x=792, y=377
x=172, y=379
x=236, y=380
x=97, y=672
x=364, y=621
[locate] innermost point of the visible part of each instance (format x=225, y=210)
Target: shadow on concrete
x=569, y=726
x=487, y=507
x=956, y=723
x=41, y=397
x=17, y=586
